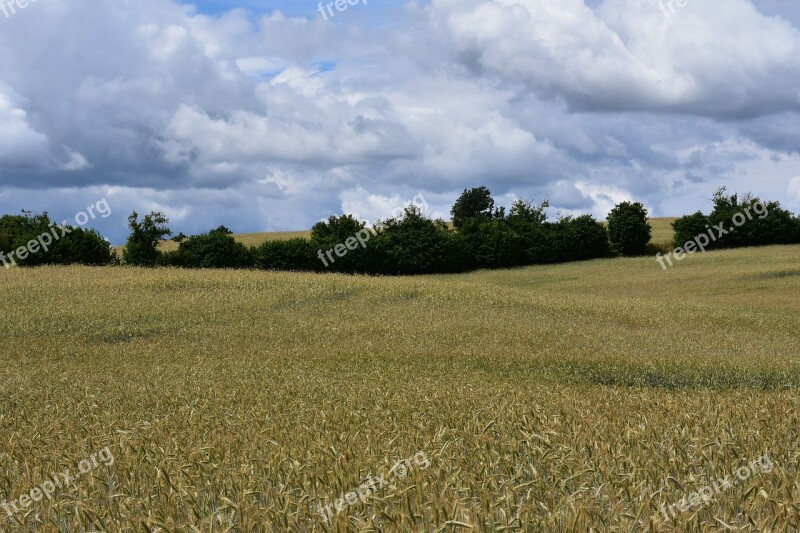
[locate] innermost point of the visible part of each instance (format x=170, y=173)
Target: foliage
x=326, y=236
x=142, y=246
x=215, y=249
x=473, y=204
x=414, y=244
x=492, y=244
x=688, y=227
x=293, y=254
x=628, y=229
x=53, y=244
x=737, y=221
x=581, y=238
x=407, y=245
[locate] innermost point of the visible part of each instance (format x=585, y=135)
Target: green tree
x=142, y=246
x=524, y=212
x=215, y=249
x=628, y=229
x=335, y=232
x=415, y=244
x=474, y=204
x=53, y=244
x=688, y=227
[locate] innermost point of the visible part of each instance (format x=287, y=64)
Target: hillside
x=559, y=397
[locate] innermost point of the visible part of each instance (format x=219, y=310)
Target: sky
x=269, y=115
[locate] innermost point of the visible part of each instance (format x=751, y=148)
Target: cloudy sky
x=265, y=115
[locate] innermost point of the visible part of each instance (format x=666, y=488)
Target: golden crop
x=548, y=398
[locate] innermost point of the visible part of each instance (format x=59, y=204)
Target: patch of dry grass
x=663, y=234
x=248, y=239
x=551, y=398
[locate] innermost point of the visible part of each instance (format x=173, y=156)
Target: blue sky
x=290, y=7
x=376, y=10
x=263, y=116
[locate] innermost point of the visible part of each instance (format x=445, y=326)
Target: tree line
x=481, y=236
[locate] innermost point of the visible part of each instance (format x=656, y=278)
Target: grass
x=548, y=398
x=248, y=239
x=662, y=234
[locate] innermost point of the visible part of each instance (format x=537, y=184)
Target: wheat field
x=585, y=396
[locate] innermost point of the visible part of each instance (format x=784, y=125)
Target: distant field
x=662, y=234
x=548, y=398
x=249, y=239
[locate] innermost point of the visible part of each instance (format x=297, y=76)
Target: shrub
x=760, y=223
x=764, y=222
x=81, y=246
x=688, y=227
x=414, y=244
x=292, y=254
x=538, y=237
x=215, y=249
x=142, y=246
x=492, y=244
x=628, y=229
x=580, y=238
x=335, y=232
x=64, y=247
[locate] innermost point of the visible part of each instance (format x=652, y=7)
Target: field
x=248, y=239
x=548, y=398
x=662, y=234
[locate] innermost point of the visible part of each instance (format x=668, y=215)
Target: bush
x=414, y=244
x=763, y=223
x=628, y=229
x=292, y=254
x=745, y=221
x=82, y=246
x=215, y=249
x=54, y=244
x=492, y=244
x=326, y=236
x=142, y=246
x=581, y=238
x=688, y=227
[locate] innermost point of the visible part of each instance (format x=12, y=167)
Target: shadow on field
x=709, y=375
x=774, y=275
x=675, y=375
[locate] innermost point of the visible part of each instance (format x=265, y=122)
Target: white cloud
x=271, y=122
x=794, y=190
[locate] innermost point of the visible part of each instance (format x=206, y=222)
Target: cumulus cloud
x=266, y=121
x=627, y=55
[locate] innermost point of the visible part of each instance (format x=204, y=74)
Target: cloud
x=627, y=55
x=266, y=121
x=794, y=190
